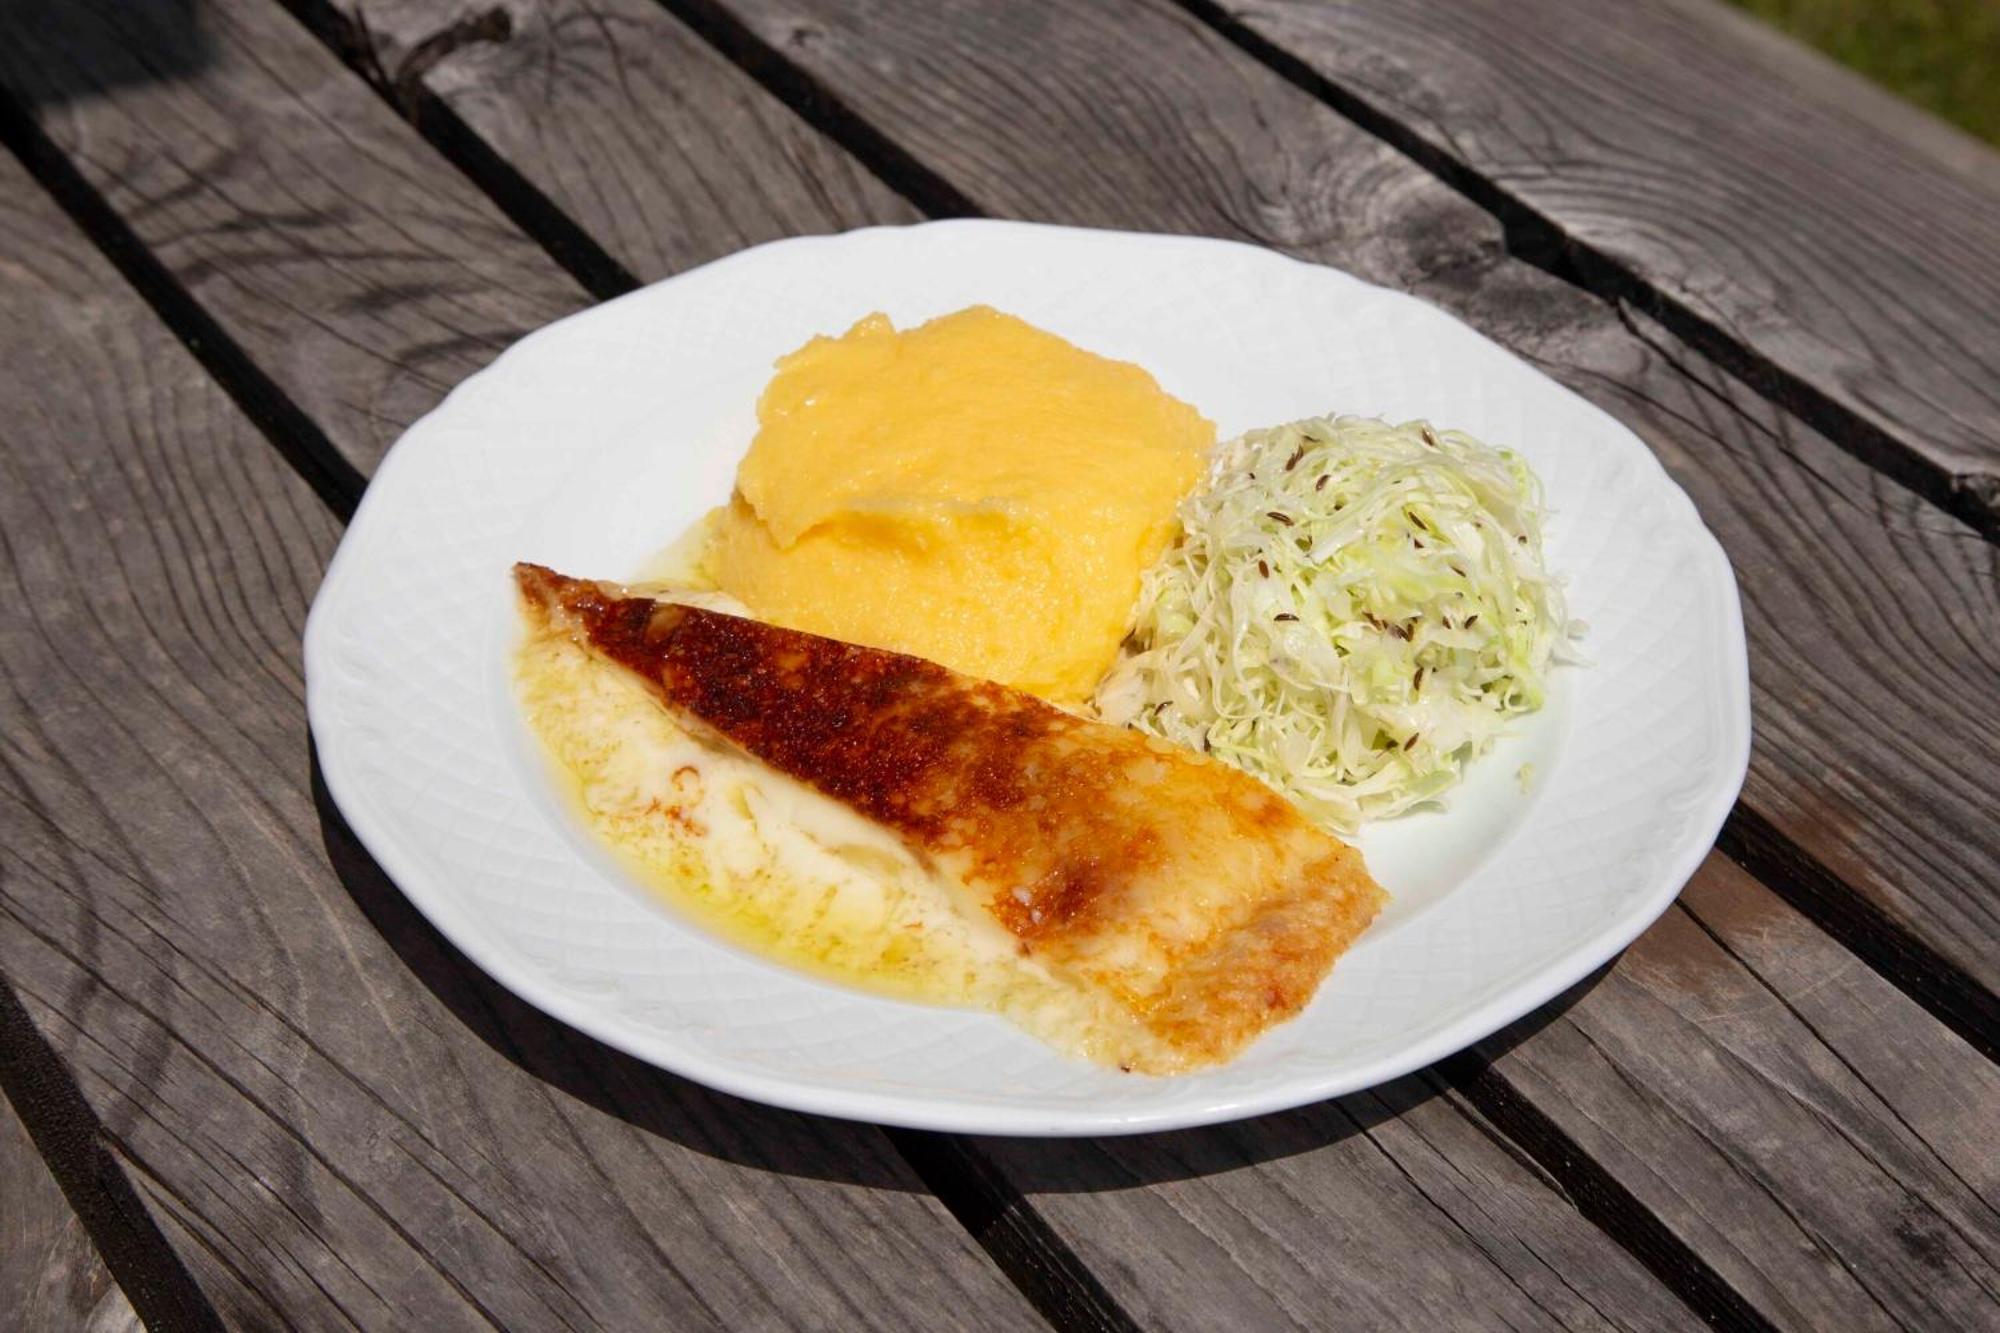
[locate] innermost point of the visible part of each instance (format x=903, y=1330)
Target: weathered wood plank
x=50, y=1274
x=330, y=1113
x=1280, y=1223
x=1810, y=1133
x=368, y=293
x=80, y=1155
x=1942, y=1097
x=1878, y=763
x=339, y=280
x=636, y=128
x=1847, y=249
x=1786, y=1109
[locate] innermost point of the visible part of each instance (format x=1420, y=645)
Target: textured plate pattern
x=592, y=443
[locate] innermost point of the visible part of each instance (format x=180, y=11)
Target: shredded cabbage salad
x=1353, y=611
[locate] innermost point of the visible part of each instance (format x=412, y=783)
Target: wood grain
x=1807, y=1131
x=366, y=295
x=50, y=1274
x=637, y=129
x=1281, y=1223
x=333, y=1116
x=344, y=282
x=1878, y=761
x=1768, y=205
x=1787, y=1110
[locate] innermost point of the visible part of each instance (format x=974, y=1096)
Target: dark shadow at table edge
x=758, y=1137
x=81, y=51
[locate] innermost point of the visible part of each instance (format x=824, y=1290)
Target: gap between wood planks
x=518, y=198
x=71, y=1139
x=1018, y=1239
x=43, y=1092
x=1537, y=239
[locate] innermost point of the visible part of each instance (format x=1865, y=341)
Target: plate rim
x=1703, y=820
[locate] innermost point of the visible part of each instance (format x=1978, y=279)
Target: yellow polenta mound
x=973, y=490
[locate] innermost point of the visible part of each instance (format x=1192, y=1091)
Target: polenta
x=975, y=491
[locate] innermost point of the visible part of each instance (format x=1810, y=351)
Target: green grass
x=1944, y=55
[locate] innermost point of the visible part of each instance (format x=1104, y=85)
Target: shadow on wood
x=743, y=1132
x=150, y=41
x=1072, y=1166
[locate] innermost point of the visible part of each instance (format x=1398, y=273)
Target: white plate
x=592, y=443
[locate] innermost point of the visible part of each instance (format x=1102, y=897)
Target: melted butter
x=778, y=869
x=683, y=569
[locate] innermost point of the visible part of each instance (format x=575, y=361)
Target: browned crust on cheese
x=1265, y=968
x=1056, y=822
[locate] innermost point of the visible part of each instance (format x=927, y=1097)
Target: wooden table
x=244, y=243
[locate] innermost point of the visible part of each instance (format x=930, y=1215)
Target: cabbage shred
x=1352, y=612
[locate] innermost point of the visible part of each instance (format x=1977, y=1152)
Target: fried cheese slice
x=1191, y=895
